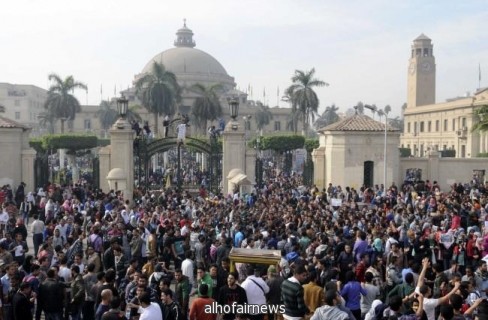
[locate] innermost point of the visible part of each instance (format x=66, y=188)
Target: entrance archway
x=145, y=149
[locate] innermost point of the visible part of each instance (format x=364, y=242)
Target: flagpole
x=278, y=96
x=479, y=75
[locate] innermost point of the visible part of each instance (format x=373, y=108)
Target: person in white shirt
x=3, y=219
x=188, y=269
x=64, y=271
x=256, y=290
x=37, y=230
x=429, y=303
x=388, y=244
x=149, y=310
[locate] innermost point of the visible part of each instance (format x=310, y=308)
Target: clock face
x=426, y=67
x=411, y=68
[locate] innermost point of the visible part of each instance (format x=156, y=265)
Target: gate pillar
x=234, y=154
x=122, y=155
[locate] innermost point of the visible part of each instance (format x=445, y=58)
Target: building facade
x=23, y=103
x=192, y=66
x=435, y=126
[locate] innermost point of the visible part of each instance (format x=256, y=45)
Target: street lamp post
x=259, y=164
x=234, y=111
x=178, y=173
x=384, y=152
x=122, y=107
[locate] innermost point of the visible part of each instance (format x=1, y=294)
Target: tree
x=329, y=116
x=60, y=101
x=396, y=122
x=47, y=120
x=372, y=107
x=106, y=115
x=159, y=92
x=263, y=116
x=293, y=117
x=303, y=98
x=482, y=115
x=207, y=105
x=132, y=114
x=360, y=108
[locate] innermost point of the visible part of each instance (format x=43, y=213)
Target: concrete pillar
x=62, y=157
x=204, y=161
x=74, y=168
x=319, y=168
x=251, y=154
x=165, y=160
x=234, y=151
x=483, y=138
x=433, y=166
x=104, y=163
x=28, y=156
x=122, y=154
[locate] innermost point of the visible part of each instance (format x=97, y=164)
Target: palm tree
x=207, y=105
x=372, y=107
x=292, y=121
x=132, y=114
x=396, y=122
x=263, y=116
x=159, y=92
x=329, y=116
x=47, y=120
x=360, y=108
x=482, y=115
x=60, y=100
x=303, y=97
x=107, y=115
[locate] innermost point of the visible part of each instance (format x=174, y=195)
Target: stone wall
x=445, y=171
x=17, y=158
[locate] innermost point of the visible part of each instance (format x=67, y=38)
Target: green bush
x=405, y=152
x=36, y=144
x=482, y=155
x=279, y=143
x=103, y=142
x=73, y=142
x=311, y=144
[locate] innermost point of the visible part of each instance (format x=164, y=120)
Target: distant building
x=191, y=66
x=22, y=103
x=438, y=126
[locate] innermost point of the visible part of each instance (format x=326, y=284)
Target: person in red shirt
x=201, y=305
x=361, y=267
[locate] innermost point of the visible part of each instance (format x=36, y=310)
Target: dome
x=187, y=60
x=190, y=65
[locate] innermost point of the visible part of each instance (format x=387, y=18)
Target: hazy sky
x=360, y=47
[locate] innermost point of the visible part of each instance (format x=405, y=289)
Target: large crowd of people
x=416, y=251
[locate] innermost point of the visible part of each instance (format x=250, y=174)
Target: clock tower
x=421, y=73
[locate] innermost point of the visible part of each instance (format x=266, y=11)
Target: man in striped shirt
x=292, y=294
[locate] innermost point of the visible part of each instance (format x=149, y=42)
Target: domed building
x=191, y=66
